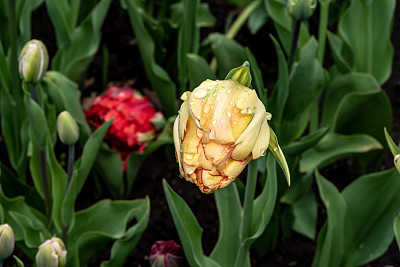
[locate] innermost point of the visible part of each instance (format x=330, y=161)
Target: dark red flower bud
x=165, y=254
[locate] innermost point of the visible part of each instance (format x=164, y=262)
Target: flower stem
x=42, y=159
x=247, y=212
x=237, y=25
x=295, y=38
x=323, y=25
x=71, y=161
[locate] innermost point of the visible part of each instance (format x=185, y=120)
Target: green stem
x=295, y=38
x=71, y=161
x=247, y=212
x=323, y=25
x=42, y=160
x=236, y=26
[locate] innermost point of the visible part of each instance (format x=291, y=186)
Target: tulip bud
x=67, y=128
x=165, y=254
x=33, y=61
x=396, y=162
x=6, y=241
x=301, y=9
x=52, y=253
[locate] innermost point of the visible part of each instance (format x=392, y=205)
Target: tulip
x=165, y=254
x=221, y=126
x=135, y=120
x=52, y=253
x=33, y=61
x=67, y=128
x=301, y=9
x=7, y=241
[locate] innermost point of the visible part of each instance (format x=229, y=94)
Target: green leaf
x=280, y=94
x=333, y=147
x=81, y=171
x=258, y=19
x=59, y=10
x=367, y=235
x=230, y=215
x=283, y=24
x=339, y=87
x=37, y=121
x=103, y=222
x=393, y=147
x=341, y=53
x=24, y=18
x=396, y=228
x=73, y=58
x=158, y=77
x=198, y=70
x=366, y=28
x=188, y=229
x=188, y=39
x=264, y=204
x=358, y=110
x=65, y=94
x=228, y=53
x=204, y=17
x=19, y=262
x=330, y=247
x=305, y=143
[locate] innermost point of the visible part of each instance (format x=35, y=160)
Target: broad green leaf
x=81, y=171
x=341, y=52
x=228, y=53
x=59, y=10
x=73, y=59
x=333, y=147
x=396, y=228
x=37, y=121
x=19, y=206
x=239, y=3
x=264, y=204
x=257, y=77
x=364, y=112
x=303, y=204
x=305, y=143
x=188, y=39
x=367, y=235
x=330, y=247
x=103, y=222
x=305, y=81
x=366, y=28
x=258, y=19
x=188, y=229
x=280, y=94
x=230, y=215
x=158, y=77
x=24, y=18
x=204, y=17
x=339, y=87
x=198, y=70
x=64, y=93
x=283, y=24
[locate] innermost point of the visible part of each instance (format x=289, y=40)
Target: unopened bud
x=301, y=9
x=33, y=61
x=52, y=253
x=67, y=128
x=6, y=241
x=165, y=254
x=397, y=162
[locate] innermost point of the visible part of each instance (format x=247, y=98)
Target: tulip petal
x=276, y=151
x=177, y=144
x=261, y=145
x=183, y=114
x=235, y=167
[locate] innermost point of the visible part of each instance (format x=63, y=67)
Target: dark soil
x=125, y=68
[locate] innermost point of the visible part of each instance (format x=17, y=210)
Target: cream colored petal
x=191, y=140
x=261, y=145
x=226, y=182
x=235, y=167
x=183, y=118
x=211, y=181
x=204, y=162
x=177, y=144
x=245, y=142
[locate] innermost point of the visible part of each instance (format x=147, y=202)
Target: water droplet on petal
x=234, y=122
x=206, y=108
x=228, y=113
x=189, y=156
x=248, y=110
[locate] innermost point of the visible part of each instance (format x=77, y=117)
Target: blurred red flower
x=165, y=254
x=132, y=128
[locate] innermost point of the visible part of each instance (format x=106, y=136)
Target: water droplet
x=228, y=113
x=246, y=90
x=222, y=121
x=214, y=121
x=276, y=149
x=263, y=152
x=234, y=122
x=220, y=153
x=249, y=110
x=189, y=156
x=224, y=85
x=206, y=108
